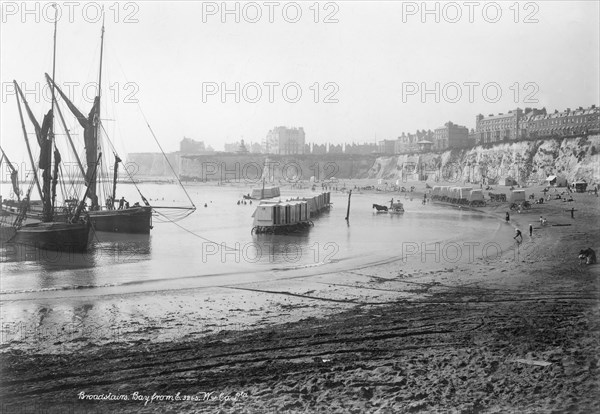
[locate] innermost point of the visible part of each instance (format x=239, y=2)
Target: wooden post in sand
x=348, y=211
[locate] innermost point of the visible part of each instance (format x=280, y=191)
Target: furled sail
x=45, y=159
x=90, y=138
x=14, y=176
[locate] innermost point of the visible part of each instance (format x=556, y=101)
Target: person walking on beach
x=507, y=217
x=519, y=235
x=530, y=230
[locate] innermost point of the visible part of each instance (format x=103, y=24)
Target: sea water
x=214, y=245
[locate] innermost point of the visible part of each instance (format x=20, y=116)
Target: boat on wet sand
x=67, y=233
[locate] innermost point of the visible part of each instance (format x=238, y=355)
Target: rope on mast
x=156, y=140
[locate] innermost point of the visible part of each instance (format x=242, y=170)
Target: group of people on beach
x=518, y=235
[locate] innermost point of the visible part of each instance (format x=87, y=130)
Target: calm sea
x=215, y=246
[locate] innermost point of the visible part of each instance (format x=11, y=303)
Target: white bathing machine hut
x=517, y=196
x=281, y=217
x=463, y=194
x=476, y=198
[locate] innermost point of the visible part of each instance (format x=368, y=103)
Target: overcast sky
x=365, y=63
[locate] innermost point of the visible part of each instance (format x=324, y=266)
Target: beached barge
x=288, y=216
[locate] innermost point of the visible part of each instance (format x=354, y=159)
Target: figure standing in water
x=530, y=230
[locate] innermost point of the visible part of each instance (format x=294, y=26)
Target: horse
x=380, y=208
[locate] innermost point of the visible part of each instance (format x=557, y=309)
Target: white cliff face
x=527, y=162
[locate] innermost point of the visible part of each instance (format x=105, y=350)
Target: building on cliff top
x=560, y=124
x=285, y=141
x=498, y=128
x=450, y=136
x=191, y=146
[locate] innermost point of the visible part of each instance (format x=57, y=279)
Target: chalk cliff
x=524, y=161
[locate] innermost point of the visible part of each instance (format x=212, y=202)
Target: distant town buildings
x=360, y=148
x=535, y=123
x=242, y=148
x=407, y=143
x=516, y=124
x=231, y=146
x=386, y=146
x=285, y=141
x=256, y=148
x=577, y=122
x=319, y=149
x=190, y=146
x=497, y=128
x=450, y=136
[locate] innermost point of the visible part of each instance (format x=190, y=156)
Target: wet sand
x=516, y=333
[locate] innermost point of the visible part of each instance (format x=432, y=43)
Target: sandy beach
x=510, y=332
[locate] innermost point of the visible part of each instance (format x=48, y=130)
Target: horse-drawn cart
x=397, y=208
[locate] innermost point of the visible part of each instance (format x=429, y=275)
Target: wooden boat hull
x=54, y=236
x=136, y=220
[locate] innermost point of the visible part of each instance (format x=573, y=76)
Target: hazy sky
x=364, y=63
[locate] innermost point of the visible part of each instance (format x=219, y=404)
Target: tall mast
x=48, y=215
x=114, y=191
x=92, y=184
x=101, y=52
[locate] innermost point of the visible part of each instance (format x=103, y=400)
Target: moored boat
x=48, y=231
x=103, y=213
x=66, y=237
x=136, y=220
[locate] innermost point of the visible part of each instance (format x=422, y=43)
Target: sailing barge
x=103, y=214
x=69, y=233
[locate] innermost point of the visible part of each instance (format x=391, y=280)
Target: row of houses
x=450, y=135
x=517, y=124
x=533, y=123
